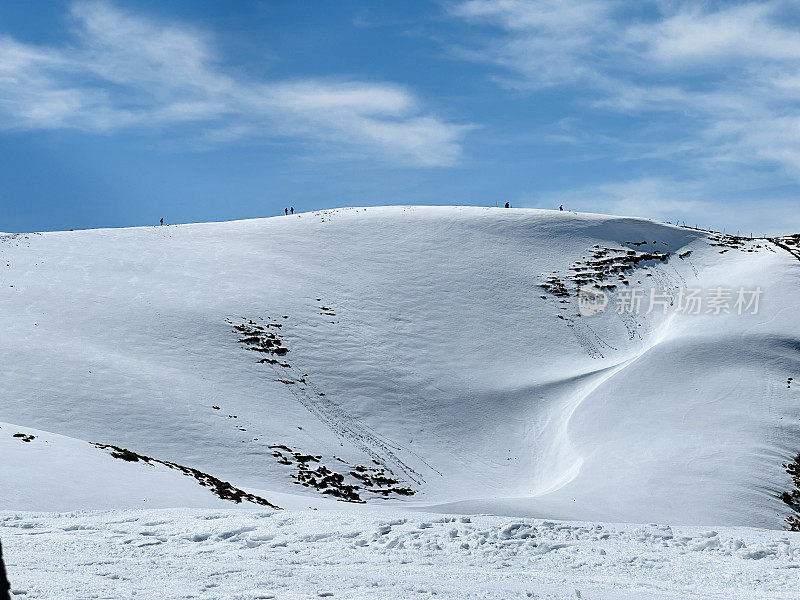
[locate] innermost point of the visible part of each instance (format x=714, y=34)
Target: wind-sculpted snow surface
x=433, y=357
x=249, y=555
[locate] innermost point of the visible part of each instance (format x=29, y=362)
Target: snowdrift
x=430, y=357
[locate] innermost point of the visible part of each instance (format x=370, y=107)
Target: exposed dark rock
x=221, y=489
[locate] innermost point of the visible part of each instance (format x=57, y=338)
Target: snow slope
x=422, y=356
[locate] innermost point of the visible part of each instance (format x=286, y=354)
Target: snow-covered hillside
x=421, y=357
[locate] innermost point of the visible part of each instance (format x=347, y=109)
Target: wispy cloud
x=695, y=202
x=653, y=197
x=544, y=42
x=126, y=71
x=728, y=72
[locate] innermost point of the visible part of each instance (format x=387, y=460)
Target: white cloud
x=695, y=202
x=126, y=71
x=727, y=72
x=653, y=197
x=734, y=32
x=548, y=41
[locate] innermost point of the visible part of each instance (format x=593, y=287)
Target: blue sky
x=120, y=113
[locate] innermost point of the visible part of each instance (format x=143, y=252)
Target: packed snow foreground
x=333, y=403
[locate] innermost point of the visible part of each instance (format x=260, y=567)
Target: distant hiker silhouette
x=291, y=208
x=508, y=205
x=162, y=220
x=4, y=584
x=286, y=211
x=561, y=207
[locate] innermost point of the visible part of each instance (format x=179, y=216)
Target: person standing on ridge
x=5, y=586
x=291, y=208
x=162, y=221
x=561, y=207
x=286, y=211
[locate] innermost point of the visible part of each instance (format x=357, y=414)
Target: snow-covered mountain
x=428, y=357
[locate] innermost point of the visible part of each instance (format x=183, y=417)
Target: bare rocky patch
x=790, y=243
x=260, y=337
x=338, y=478
x=604, y=268
x=735, y=242
x=221, y=489
x=792, y=497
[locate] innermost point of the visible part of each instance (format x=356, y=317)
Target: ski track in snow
x=351, y=429
x=251, y=555
x=375, y=445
